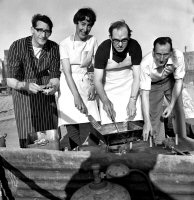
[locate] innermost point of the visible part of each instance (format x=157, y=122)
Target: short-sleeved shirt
x=150, y=73
x=103, y=53
x=74, y=50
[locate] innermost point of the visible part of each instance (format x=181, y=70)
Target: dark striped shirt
x=33, y=112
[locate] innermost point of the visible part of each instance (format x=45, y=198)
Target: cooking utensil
x=113, y=120
x=129, y=131
x=96, y=126
x=94, y=123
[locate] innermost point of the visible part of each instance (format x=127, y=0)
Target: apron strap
x=111, y=54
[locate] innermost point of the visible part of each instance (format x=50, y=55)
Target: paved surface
x=7, y=121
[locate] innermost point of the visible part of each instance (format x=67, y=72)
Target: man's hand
x=52, y=86
x=167, y=111
x=108, y=107
x=79, y=104
x=91, y=93
x=32, y=88
x=131, y=109
x=147, y=130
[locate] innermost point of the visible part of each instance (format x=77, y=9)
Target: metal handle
x=113, y=120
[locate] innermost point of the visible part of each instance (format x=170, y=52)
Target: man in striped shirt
x=33, y=65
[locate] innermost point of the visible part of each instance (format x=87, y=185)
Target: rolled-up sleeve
x=145, y=78
x=179, y=72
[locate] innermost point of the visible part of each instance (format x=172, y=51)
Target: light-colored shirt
x=151, y=73
x=37, y=51
x=76, y=51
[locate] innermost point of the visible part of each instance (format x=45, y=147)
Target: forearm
x=135, y=88
x=98, y=82
x=100, y=91
x=15, y=84
x=71, y=84
x=54, y=82
x=107, y=104
x=176, y=91
x=136, y=81
x=66, y=69
x=145, y=106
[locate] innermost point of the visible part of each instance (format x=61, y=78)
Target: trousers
x=158, y=91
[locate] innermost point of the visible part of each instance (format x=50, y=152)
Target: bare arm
x=147, y=128
x=15, y=84
x=53, y=86
x=175, y=94
x=131, y=107
x=98, y=82
x=136, y=80
x=20, y=85
x=79, y=104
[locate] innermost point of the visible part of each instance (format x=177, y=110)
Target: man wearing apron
x=162, y=73
x=34, y=63
x=116, y=75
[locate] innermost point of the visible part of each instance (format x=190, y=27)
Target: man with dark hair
x=42, y=18
x=162, y=73
x=116, y=75
x=33, y=65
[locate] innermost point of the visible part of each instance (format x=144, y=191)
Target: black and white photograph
x=97, y=100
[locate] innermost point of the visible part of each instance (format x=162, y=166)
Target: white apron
x=68, y=113
x=117, y=86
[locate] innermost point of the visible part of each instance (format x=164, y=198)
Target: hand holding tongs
x=115, y=124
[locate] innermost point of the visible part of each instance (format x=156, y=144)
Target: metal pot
x=128, y=132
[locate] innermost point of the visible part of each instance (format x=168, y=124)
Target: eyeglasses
x=123, y=41
x=41, y=31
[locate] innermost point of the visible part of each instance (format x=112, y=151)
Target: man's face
x=120, y=39
x=83, y=28
x=161, y=54
x=40, y=34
